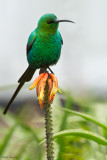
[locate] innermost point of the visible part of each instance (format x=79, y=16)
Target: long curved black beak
x=57, y=21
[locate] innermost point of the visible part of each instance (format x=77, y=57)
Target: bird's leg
x=43, y=70
x=50, y=70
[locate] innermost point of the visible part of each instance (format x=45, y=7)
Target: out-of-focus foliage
x=79, y=132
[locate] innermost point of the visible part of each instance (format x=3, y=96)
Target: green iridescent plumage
x=43, y=49
x=46, y=43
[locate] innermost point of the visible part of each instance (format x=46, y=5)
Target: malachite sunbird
x=43, y=49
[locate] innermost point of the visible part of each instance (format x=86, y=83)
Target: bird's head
x=50, y=23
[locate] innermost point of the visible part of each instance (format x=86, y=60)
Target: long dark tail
x=27, y=76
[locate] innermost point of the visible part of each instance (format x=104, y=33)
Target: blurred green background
x=82, y=76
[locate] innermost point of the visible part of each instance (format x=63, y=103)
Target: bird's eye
x=49, y=22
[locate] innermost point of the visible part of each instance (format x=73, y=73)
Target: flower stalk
x=46, y=87
x=48, y=126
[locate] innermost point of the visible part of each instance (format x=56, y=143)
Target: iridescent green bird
x=43, y=49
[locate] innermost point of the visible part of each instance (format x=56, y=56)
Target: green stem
x=48, y=126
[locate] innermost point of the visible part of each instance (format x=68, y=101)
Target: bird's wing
x=30, y=42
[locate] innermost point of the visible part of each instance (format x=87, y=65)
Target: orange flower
x=36, y=81
x=41, y=89
x=40, y=82
x=55, y=87
x=50, y=84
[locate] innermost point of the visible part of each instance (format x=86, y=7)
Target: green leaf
x=80, y=133
x=86, y=117
x=7, y=139
x=30, y=130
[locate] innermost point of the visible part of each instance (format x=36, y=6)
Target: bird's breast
x=45, y=51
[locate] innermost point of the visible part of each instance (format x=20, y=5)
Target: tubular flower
x=54, y=88
x=36, y=81
x=41, y=88
x=50, y=84
x=40, y=83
